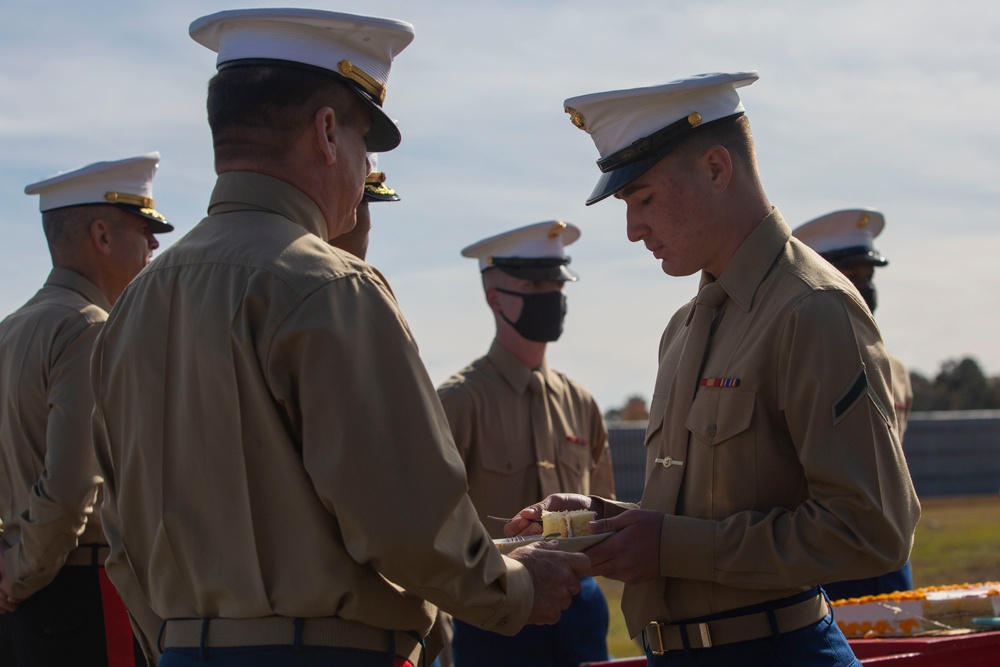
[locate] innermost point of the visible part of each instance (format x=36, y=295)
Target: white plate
x=508, y=544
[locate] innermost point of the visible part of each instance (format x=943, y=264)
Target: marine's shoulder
x=572, y=387
x=266, y=245
x=469, y=379
x=800, y=270
x=56, y=307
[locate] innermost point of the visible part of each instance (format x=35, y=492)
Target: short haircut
x=255, y=108
x=67, y=229
x=733, y=134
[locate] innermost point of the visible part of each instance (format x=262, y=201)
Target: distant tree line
x=960, y=385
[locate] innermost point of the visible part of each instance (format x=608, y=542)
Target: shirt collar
x=513, y=371
x=243, y=190
x=753, y=260
x=76, y=282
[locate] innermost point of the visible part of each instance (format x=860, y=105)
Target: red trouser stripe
x=117, y=629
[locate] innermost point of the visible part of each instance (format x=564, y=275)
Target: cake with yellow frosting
x=905, y=613
x=567, y=524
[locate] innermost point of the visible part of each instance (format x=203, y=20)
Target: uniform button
x=712, y=430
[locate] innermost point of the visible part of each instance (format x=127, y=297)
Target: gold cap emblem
x=864, y=220
x=131, y=200
x=363, y=79
x=558, y=227
x=694, y=119
x=576, y=118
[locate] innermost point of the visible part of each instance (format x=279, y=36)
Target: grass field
x=957, y=541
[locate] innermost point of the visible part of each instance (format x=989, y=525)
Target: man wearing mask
x=846, y=240
x=526, y=430
x=57, y=606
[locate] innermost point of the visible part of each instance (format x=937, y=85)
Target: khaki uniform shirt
x=488, y=404
x=792, y=474
x=271, y=442
x=902, y=393
x=49, y=478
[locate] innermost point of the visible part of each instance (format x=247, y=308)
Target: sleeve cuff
x=513, y=615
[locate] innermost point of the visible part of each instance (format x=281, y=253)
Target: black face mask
x=542, y=314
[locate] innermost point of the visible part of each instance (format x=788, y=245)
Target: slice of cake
x=571, y=523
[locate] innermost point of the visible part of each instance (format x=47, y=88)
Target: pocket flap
x=719, y=414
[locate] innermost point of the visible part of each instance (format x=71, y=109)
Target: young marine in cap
x=525, y=430
x=282, y=487
x=99, y=223
x=846, y=240
x=773, y=464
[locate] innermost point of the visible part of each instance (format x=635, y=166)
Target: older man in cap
x=57, y=606
x=282, y=487
x=525, y=431
x=773, y=462
x=846, y=240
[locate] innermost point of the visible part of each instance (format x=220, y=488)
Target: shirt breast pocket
x=507, y=459
x=723, y=448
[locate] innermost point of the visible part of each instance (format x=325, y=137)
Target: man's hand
x=556, y=576
x=7, y=601
x=632, y=554
x=529, y=520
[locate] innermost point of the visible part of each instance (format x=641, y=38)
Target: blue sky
x=886, y=105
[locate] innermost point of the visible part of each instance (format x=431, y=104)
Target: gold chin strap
x=132, y=200
x=363, y=79
x=375, y=177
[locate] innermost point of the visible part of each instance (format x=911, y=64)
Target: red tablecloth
x=979, y=649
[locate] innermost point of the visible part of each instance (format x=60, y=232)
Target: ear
x=100, y=235
x=325, y=130
x=493, y=299
x=718, y=165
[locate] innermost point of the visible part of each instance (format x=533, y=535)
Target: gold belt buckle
x=706, y=636
x=659, y=637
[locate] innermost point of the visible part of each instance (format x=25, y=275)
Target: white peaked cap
x=621, y=121
x=845, y=236
x=357, y=49
x=126, y=183
x=535, y=252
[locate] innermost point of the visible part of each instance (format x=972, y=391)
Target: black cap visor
x=856, y=255
x=613, y=181
x=156, y=222
x=536, y=269
x=624, y=166
x=383, y=135
x=380, y=192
